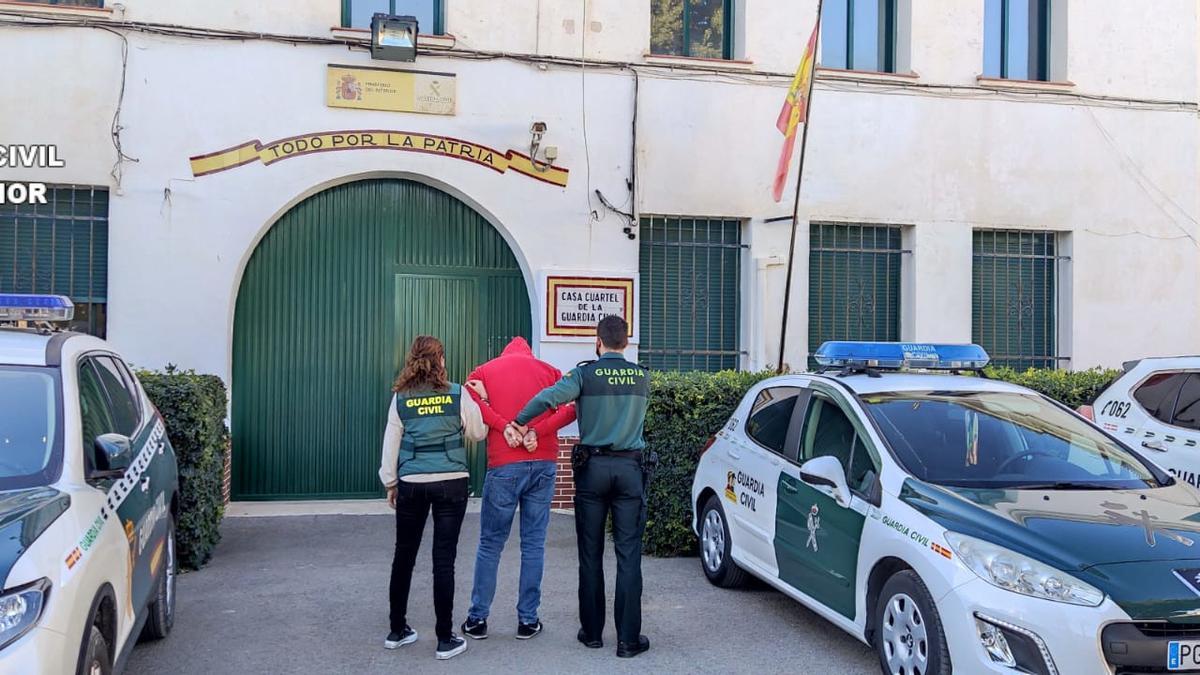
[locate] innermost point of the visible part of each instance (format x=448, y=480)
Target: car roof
x=23, y=347
x=31, y=347
x=861, y=383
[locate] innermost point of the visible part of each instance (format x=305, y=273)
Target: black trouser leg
x=628, y=509
x=591, y=513
x=449, y=506
x=412, y=508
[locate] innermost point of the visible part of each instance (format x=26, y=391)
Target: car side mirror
x=113, y=455
x=826, y=474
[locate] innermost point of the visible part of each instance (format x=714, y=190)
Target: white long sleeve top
x=473, y=430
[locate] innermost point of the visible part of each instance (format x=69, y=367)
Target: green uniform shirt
x=611, y=395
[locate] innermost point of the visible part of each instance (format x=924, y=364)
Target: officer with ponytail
x=424, y=469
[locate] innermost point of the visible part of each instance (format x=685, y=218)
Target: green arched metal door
x=327, y=306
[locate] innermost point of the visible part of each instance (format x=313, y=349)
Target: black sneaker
x=448, y=649
x=404, y=637
x=588, y=642
x=627, y=651
x=528, y=630
x=476, y=630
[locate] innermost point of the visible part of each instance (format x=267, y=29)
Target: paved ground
x=308, y=594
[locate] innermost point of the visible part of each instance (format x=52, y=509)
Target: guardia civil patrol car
x=1155, y=406
x=88, y=500
x=952, y=522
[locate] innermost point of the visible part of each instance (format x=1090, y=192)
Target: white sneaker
x=448, y=649
x=395, y=640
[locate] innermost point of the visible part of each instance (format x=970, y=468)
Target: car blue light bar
x=36, y=308
x=896, y=355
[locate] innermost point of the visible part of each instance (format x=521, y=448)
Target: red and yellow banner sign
x=376, y=139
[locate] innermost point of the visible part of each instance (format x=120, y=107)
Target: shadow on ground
x=308, y=594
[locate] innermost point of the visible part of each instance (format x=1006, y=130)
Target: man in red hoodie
x=520, y=472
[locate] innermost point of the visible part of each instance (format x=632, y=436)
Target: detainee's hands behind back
x=531, y=441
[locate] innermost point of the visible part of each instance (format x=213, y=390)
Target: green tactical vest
x=433, y=432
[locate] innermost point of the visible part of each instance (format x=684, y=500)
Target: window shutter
x=1014, y=297
x=59, y=247
x=853, y=283
x=690, y=301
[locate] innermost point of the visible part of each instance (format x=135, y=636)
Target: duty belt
x=610, y=451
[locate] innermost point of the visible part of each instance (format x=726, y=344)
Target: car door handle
x=789, y=487
x=146, y=484
x=732, y=453
x=1156, y=446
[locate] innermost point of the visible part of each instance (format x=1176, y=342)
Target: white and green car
x=952, y=522
x=88, y=499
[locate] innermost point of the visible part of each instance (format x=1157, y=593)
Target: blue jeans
x=531, y=486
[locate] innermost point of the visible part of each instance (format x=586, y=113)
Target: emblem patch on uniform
x=730, y=493
x=814, y=524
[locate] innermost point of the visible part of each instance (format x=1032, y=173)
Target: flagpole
x=787, y=290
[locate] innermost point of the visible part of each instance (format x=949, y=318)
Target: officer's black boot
x=628, y=651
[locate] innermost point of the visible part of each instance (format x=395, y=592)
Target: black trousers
x=448, y=501
x=610, y=484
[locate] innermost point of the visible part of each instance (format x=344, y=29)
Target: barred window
x=690, y=302
x=60, y=247
x=1014, y=297
x=853, y=283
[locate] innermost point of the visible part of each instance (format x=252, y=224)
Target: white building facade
x=1021, y=173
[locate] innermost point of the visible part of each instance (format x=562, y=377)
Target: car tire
x=96, y=658
x=162, y=609
x=909, y=637
x=718, y=565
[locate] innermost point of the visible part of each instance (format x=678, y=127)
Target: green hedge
x=1072, y=388
x=193, y=407
x=686, y=409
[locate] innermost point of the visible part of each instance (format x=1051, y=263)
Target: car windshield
x=1001, y=440
x=30, y=427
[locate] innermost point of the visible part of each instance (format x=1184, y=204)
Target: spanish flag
x=795, y=110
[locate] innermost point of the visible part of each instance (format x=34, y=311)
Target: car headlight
x=1017, y=573
x=20, y=610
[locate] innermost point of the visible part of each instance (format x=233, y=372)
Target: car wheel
x=162, y=608
x=908, y=631
x=718, y=566
x=96, y=659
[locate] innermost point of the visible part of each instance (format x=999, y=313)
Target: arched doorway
x=328, y=304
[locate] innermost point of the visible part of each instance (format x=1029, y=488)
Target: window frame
x=1192, y=376
x=439, y=16
x=1186, y=373
x=862, y=434
x=58, y=221
x=660, y=237
x=1040, y=71
x=799, y=411
x=889, y=40
x=728, y=7
x=994, y=244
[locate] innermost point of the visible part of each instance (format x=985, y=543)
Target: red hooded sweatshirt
x=511, y=380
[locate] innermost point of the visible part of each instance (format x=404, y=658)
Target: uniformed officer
x=609, y=477
x=424, y=468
